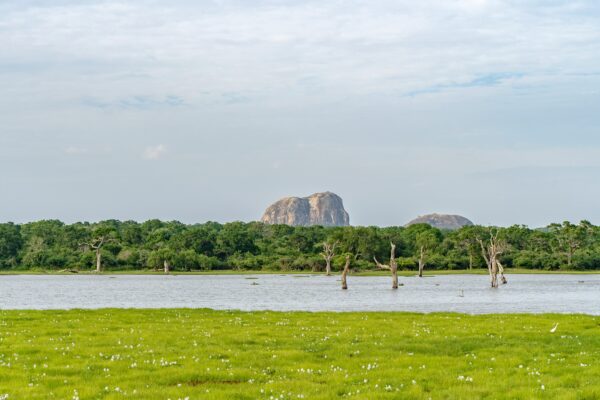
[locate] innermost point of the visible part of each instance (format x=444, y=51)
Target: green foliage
x=11, y=242
x=52, y=244
x=157, y=258
x=186, y=260
x=407, y=263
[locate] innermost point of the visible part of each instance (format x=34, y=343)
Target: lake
x=457, y=293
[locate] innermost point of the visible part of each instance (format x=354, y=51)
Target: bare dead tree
x=167, y=266
x=421, y=260
x=491, y=251
x=96, y=245
x=501, y=270
x=328, y=254
x=345, y=273
x=393, y=267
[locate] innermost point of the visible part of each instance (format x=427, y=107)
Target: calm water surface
x=459, y=293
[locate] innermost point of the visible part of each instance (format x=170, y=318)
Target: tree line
x=154, y=244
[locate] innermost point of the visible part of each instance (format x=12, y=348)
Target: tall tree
x=571, y=237
x=101, y=235
x=466, y=239
x=425, y=242
x=10, y=244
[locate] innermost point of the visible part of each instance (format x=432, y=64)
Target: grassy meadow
x=203, y=354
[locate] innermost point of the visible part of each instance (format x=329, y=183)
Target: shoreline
x=262, y=272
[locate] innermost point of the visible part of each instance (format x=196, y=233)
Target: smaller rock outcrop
x=325, y=209
x=442, y=221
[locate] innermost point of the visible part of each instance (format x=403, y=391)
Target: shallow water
x=458, y=293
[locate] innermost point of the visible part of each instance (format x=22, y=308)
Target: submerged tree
x=328, y=254
x=345, y=272
x=491, y=250
x=393, y=267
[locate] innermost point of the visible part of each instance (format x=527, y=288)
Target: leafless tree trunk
x=490, y=252
x=470, y=260
x=501, y=270
x=328, y=253
x=345, y=273
x=167, y=266
x=98, y=260
x=393, y=267
x=421, y=261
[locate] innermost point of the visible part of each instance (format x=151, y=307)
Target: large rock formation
x=442, y=221
x=325, y=209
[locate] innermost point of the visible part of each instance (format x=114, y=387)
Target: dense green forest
x=51, y=244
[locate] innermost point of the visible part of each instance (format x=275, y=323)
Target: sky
x=197, y=110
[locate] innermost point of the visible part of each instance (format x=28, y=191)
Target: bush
x=285, y=263
x=129, y=258
x=358, y=265
x=407, y=263
x=457, y=262
x=244, y=261
x=87, y=260
x=435, y=261
x=208, y=263
x=528, y=259
x=308, y=263
x=50, y=258
x=186, y=260
x=586, y=260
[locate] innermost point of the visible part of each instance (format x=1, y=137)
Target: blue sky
x=211, y=110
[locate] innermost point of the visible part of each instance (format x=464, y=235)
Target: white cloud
x=154, y=152
x=495, y=84
x=360, y=47
x=74, y=150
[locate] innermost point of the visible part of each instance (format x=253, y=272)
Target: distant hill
x=442, y=221
x=325, y=209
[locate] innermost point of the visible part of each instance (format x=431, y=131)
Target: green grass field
x=202, y=354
